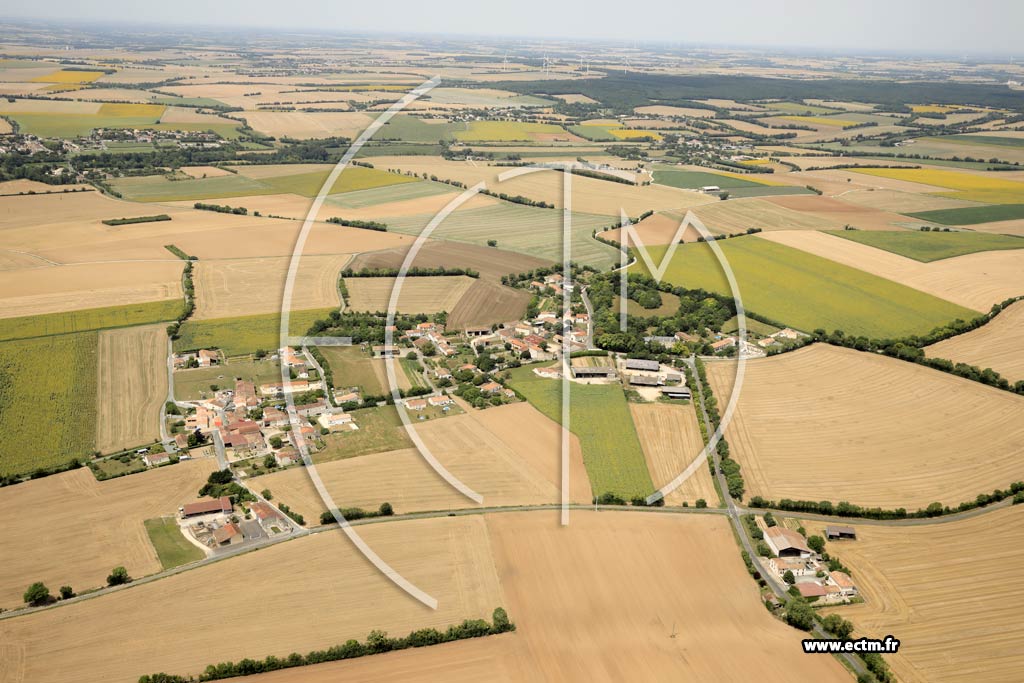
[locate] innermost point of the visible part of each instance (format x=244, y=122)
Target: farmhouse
x=834, y=533
x=265, y=513
x=295, y=386
x=442, y=373
x=245, y=394
x=490, y=388
x=206, y=507
x=551, y=372
x=722, y=344
x=786, y=543
x=287, y=456
x=416, y=403
x=311, y=409
x=811, y=589
x=349, y=397
x=844, y=582
x=441, y=400
x=273, y=417
x=477, y=331
x=335, y=421
x=644, y=365
x=155, y=459
x=780, y=565
x=677, y=392
x=207, y=358
x=386, y=352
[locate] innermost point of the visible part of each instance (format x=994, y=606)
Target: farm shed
x=646, y=365
x=786, y=543
x=643, y=381
x=206, y=507
x=676, y=392
x=595, y=371
x=833, y=533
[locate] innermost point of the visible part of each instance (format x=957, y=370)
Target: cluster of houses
x=812, y=577
x=248, y=421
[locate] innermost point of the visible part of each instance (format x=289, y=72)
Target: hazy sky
x=939, y=26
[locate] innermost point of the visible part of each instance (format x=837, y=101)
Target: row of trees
x=377, y=642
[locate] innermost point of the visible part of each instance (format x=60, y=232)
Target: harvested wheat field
x=671, y=440
x=79, y=286
x=831, y=423
x=591, y=603
x=509, y=454
x=418, y=295
x=660, y=228
x=233, y=287
x=490, y=262
x=305, y=125
x=738, y=215
x=923, y=585
x=80, y=528
x=974, y=280
x=840, y=213
x=132, y=385
x=589, y=195
x=898, y=201
x=998, y=345
x=448, y=558
x=487, y=303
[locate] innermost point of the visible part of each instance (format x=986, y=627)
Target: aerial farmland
x=418, y=353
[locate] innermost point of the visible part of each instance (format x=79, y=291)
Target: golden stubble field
x=671, y=440
x=589, y=195
x=131, y=387
x=232, y=287
x=508, y=454
x=600, y=599
x=974, y=280
x=72, y=529
x=827, y=423
x=999, y=344
x=264, y=600
x=418, y=295
x=950, y=592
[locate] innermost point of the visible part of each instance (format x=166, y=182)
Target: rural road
x=777, y=587
x=590, y=318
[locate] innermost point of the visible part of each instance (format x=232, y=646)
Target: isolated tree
x=118, y=576
x=816, y=543
x=269, y=462
x=769, y=520
x=836, y=625
x=37, y=594
x=386, y=510
x=701, y=503
x=788, y=577
x=266, y=494
x=66, y=592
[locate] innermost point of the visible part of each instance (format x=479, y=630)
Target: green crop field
x=593, y=133
x=352, y=367
x=931, y=246
x=799, y=108
x=809, y=292
x=380, y=430
x=352, y=179
x=360, y=199
x=765, y=191
x=89, y=319
x=47, y=401
x=244, y=334
x=525, y=229
x=194, y=383
x=66, y=125
x=692, y=180
x=505, y=131
x=158, y=188
x=412, y=129
x=993, y=140
x=972, y=215
x=170, y=544
x=599, y=415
